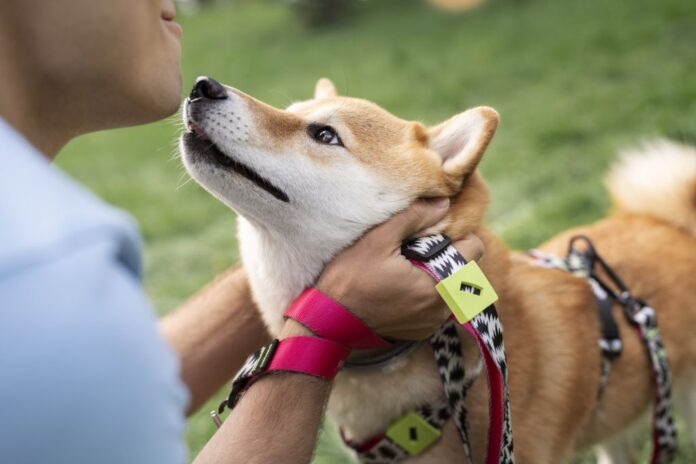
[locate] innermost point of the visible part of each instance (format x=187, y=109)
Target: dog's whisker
x=186, y=178
x=175, y=154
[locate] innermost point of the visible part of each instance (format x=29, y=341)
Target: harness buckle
x=611, y=348
x=640, y=313
x=413, y=433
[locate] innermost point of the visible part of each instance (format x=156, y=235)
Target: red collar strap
x=304, y=355
x=328, y=319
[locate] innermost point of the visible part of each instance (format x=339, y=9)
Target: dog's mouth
x=196, y=141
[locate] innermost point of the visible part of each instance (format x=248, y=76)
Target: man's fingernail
x=441, y=203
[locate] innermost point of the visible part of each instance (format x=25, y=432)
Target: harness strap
x=664, y=433
x=383, y=449
x=440, y=259
x=643, y=318
x=581, y=263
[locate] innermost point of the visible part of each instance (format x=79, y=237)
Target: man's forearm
x=213, y=333
x=276, y=421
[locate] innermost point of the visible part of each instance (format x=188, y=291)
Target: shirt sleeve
x=85, y=376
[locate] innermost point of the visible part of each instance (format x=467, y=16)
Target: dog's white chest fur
x=364, y=403
x=277, y=271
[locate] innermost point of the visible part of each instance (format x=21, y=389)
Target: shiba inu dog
x=309, y=180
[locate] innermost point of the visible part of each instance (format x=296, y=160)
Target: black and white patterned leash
x=440, y=259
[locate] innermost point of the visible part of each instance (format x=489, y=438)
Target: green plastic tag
x=413, y=433
x=467, y=292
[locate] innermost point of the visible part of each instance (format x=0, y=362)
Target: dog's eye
x=326, y=135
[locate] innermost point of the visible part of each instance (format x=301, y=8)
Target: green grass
x=572, y=80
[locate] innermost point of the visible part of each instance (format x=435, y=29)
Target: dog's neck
x=281, y=265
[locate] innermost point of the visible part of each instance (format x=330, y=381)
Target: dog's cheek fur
x=468, y=207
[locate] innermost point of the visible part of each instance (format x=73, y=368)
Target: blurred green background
x=573, y=82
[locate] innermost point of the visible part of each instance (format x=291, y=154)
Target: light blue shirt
x=84, y=375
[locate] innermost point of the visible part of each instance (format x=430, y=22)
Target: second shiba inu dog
x=308, y=181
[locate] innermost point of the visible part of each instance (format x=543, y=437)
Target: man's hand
x=377, y=283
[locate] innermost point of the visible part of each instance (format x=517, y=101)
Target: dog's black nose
x=205, y=87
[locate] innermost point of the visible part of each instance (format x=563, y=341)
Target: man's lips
x=168, y=15
x=174, y=28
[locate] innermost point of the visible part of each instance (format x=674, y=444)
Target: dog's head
x=342, y=164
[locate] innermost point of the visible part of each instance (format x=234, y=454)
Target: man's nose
x=208, y=88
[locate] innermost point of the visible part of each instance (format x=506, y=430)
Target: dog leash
x=642, y=317
x=470, y=297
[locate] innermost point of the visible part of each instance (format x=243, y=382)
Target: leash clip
x=216, y=419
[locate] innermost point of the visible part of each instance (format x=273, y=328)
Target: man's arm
x=77, y=335
x=213, y=333
x=276, y=420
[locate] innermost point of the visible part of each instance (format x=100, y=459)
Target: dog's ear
x=324, y=89
x=462, y=139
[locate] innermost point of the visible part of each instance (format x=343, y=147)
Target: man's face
x=115, y=61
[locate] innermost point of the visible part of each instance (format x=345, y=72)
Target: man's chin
x=161, y=103
x=170, y=95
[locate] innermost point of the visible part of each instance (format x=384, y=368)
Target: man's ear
x=324, y=89
x=462, y=139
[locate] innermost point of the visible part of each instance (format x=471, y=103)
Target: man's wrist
x=293, y=328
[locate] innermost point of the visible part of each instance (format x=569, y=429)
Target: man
x=84, y=374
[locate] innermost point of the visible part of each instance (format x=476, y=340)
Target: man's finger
x=471, y=247
x=418, y=216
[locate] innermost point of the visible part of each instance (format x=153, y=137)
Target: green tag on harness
x=467, y=292
x=413, y=433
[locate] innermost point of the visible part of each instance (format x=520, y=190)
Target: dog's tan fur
x=549, y=316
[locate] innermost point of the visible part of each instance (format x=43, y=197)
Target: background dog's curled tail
x=657, y=178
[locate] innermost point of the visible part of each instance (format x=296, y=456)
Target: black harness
x=584, y=261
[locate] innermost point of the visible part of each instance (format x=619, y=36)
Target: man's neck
x=41, y=137
x=28, y=104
